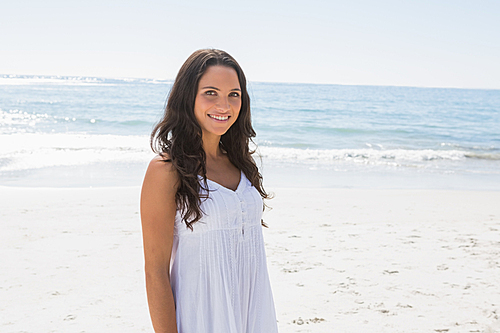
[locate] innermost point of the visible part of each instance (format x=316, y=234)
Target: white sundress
x=218, y=272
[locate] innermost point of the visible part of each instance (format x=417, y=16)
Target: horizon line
x=254, y=81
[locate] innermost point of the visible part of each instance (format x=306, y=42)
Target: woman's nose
x=223, y=104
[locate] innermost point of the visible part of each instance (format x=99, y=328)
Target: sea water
x=86, y=131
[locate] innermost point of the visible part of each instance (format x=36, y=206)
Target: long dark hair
x=178, y=136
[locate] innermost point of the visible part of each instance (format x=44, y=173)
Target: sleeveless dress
x=218, y=271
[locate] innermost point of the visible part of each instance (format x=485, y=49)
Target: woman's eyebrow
x=215, y=88
x=210, y=87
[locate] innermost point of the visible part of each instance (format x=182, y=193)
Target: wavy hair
x=178, y=136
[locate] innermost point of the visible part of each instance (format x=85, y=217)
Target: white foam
x=368, y=156
x=33, y=151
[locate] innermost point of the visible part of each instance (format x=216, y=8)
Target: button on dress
x=218, y=271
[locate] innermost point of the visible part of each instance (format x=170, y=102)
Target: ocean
x=58, y=131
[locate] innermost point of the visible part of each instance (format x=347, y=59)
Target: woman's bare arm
x=158, y=215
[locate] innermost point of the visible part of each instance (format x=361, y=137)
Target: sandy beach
x=340, y=260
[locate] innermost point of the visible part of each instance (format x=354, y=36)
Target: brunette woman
x=201, y=207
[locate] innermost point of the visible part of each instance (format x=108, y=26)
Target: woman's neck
x=211, y=146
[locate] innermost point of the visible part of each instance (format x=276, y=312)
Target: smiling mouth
x=220, y=118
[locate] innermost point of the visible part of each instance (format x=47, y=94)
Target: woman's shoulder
x=161, y=171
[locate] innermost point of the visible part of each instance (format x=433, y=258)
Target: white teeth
x=218, y=117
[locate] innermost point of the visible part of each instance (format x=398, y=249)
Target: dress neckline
x=227, y=188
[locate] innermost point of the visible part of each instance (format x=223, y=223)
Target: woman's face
x=218, y=100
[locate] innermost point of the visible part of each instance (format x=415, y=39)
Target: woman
x=201, y=207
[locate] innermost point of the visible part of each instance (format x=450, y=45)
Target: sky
x=399, y=43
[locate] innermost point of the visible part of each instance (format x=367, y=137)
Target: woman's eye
x=234, y=94
x=210, y=93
